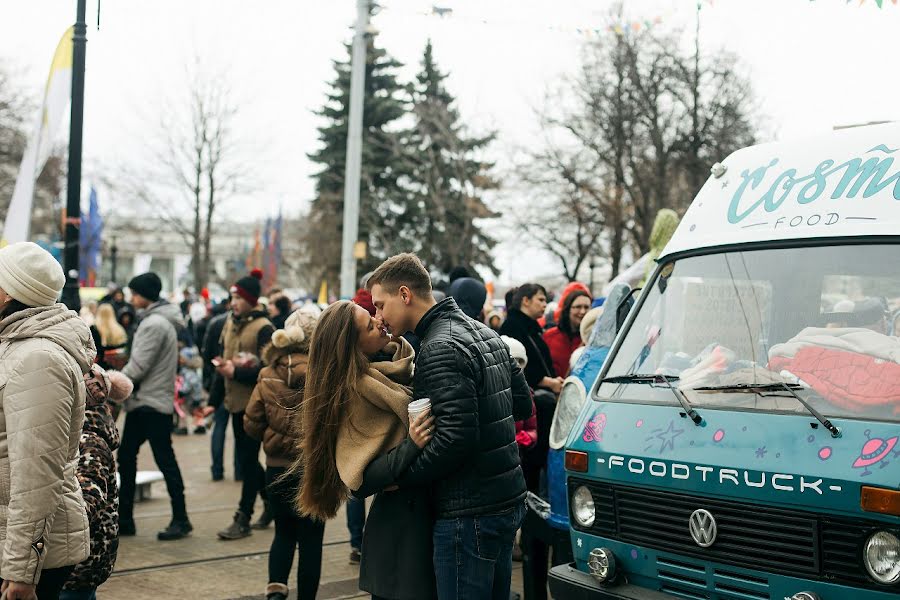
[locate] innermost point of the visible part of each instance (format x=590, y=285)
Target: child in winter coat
x=97, y=476
x=189, y=392
x=526, y=431
x=272, y=416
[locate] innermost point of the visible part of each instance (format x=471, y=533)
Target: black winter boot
x=239, y=528
x=177, y=529
x=265, y=519
x=276, y=591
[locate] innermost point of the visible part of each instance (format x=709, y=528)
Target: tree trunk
x=196, y=258
x=617, y=233
x=208, y=230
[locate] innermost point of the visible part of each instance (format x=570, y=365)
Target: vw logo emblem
x=703, y=528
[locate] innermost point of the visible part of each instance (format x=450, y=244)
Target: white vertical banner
x=57, y=95
x=141, y=263
x=180, y=268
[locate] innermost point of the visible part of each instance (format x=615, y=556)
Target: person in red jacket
x=565, y=338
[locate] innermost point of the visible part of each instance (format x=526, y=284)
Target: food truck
x=742, y=438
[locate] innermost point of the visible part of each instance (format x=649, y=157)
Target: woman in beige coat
x=45, y=350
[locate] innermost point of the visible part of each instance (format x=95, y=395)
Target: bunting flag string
x=446, y=13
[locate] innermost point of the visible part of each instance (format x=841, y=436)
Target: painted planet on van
x=874, y=451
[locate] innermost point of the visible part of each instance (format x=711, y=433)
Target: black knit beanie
x=147, y=285
x=250, y=287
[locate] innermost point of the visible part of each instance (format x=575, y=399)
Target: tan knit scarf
x=377, y=419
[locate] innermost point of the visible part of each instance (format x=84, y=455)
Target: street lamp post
x=592, y=265
x=73, y=189
x=354, y=151
x=113, y=258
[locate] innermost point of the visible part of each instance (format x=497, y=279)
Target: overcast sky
x=813, y=65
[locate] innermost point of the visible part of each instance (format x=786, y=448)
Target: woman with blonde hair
x=111, y=352
x=355, y=422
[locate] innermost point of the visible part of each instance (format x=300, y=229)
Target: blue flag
x=90, y=241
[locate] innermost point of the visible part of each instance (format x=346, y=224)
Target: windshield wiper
x=653, y=379
x=790, y=388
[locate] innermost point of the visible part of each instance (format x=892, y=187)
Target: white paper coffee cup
x=417, y=407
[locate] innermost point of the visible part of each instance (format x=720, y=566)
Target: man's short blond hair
x=403, y=269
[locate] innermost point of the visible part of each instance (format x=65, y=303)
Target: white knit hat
x=516, y=349
x=30, y=274
x=298, y=329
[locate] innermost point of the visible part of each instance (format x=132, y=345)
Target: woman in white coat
x=45, y=350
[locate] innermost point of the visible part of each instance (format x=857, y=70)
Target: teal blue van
x=742, y=438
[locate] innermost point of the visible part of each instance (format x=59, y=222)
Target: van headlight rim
x=891, y=542
x=583, y=506
x=602, y=564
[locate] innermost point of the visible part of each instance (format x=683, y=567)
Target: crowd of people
x=433, y=400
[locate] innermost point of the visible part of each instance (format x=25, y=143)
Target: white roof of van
x=843, y=184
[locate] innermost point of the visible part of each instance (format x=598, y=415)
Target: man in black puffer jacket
x=477, y=394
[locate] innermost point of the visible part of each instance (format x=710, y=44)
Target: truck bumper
x=568, y=583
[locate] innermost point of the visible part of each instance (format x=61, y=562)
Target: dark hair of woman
x=283, y=303
x=13, y=307
x=526, y=290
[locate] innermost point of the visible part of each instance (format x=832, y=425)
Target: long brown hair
x=336, y=365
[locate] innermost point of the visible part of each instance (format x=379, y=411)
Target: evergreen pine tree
x=448, y=178
x=381, y=200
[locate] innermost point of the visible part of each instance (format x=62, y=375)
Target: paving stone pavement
x=202, y=567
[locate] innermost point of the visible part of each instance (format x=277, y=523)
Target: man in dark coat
x=215, y=387
x=477, y=393
x=247, y=331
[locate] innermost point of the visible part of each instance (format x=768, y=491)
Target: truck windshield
x=823, y=320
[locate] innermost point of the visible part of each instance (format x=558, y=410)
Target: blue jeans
x=78, y=595
x=473, y=555
x=356, y=521
x=220, y=425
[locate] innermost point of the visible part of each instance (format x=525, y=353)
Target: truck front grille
x=751, y=536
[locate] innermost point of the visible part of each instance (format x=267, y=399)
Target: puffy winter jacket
x=477, y=394
x=44, y=354
x=274, y=407
x=153, y=364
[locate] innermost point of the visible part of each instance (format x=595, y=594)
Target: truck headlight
x=583, y=506
x=881, y=555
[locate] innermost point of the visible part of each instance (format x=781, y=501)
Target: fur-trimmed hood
x=288, y=364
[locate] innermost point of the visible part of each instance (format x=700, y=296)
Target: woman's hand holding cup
x=421, y=428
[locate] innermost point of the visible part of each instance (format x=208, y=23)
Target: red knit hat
x=364, y=299
x=249, y=288
x=575, y=286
